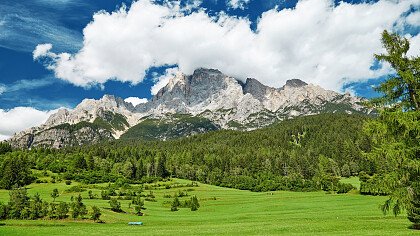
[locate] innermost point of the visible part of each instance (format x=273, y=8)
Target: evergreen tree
x=19, y=200
x=15, y=171
x=138, y=205
x=5, y=148
x=175, y=204
x=35, y=207
x=96, y=213
x=414, y=210
x=55, y=194
x=53, y=213
x=78, y=208
x=404, y=88
x=194, y=203
x=115, y=205
x=395, y=133
x=62, y=210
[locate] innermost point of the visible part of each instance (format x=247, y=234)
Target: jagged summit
x=208, y=98
x=295, y=83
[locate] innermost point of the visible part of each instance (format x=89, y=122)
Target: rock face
x=207, y=94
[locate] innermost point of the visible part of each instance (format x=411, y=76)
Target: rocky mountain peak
x=255, y=88
x=205, y=72
x=295, y=83
x=224, y=101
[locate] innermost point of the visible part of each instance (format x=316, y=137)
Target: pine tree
x=55, y=194
x=175, y=204
x=395, y=132
x=96, y=213
x=404, y=88
x=78, y=207
x=115, y=205
x=413, y=213
x=194, y=203
x=62, y=210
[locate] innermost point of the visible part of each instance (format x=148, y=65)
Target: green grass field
x=224, y=212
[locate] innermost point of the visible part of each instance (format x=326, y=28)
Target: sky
x=55, y=53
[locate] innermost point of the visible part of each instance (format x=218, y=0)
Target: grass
x=353, y=181
x=223, y=212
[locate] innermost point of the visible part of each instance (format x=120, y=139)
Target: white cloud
x=163, y=80
x=3, y=89
x=237, y=3
x=41, y=50
x=26, y=85
x=414, y=46
x=135, y=100
x=316, y=41
x=414, y=18
x=22, y=28
x=21, y=118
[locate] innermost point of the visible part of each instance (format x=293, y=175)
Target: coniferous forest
x=303, y=154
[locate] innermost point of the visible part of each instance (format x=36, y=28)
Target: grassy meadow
x=223, y=211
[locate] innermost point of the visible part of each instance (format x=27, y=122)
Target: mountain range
x=205, y=101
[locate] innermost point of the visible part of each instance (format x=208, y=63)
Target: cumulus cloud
x=414, y=19
x=135, y=100
x=41, y=50
x=237, y=3
x=21, y=118
x=162, y=81
x=414, y=46
x=317, y=41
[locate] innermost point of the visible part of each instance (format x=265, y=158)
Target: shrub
x=68, y=182
x=175, y=204
x=96, y=213
x=194, y=203
x=344, y=188
x=62, y=210
x=78, y=208
x=115, y=205
x=75, y=189
x=91, y=195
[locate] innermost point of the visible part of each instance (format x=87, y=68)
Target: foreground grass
x=224, y=211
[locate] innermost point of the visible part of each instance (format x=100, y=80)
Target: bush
x=175, y=204
x=75, y=189
x=62, y=210
x=115, y=205
x=344, y=188
x=68, y=182
x=96, y=213
x=91, y=195
x=78, y=208
x=194, y=203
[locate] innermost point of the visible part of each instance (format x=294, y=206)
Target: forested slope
x=306, y=153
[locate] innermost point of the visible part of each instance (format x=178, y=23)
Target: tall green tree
x=413, y=212
x=395, y=133
x=15, y=171
x=404, y=86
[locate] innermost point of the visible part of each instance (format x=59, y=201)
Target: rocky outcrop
x=60, y=137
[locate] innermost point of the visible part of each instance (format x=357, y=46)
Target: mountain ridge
x=222, y=101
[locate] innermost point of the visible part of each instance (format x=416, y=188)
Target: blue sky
x=289, y=36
